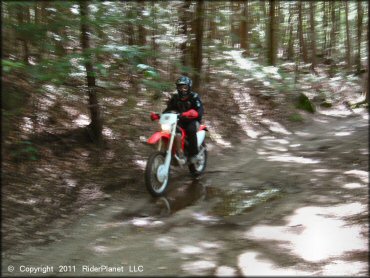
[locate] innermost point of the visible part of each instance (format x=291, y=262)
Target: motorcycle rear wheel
x=153, y=182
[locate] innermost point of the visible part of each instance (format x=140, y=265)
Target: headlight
x=166, y=127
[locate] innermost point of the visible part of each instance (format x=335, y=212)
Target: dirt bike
x=157, y=171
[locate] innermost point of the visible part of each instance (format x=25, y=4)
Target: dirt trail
x=287, y=203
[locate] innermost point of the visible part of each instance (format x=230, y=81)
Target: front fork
x=167, y=161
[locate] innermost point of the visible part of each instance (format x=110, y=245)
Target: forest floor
x=70, y=178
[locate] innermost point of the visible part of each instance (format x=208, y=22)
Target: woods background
x=79, y=79
x=133, y=46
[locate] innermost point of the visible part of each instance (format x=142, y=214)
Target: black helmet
x=182, y=90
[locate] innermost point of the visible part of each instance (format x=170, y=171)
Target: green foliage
x=25, y=150
x=9, y=65
x=51, y=70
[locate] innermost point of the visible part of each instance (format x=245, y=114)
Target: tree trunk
x=142, y=29
x=244, y=30
x=233, y=27
x=302, y=42
x=333, y=32
x=290, y=50
x=130, y=30
x=24, y=42
x=198, y=55
x=154, y=46
x=325, y=27
x=184, y=17
x=95, y=125
x=313, y=35
x=333, y=40
x=359, y=36
x=272, y=35
x=348, y=40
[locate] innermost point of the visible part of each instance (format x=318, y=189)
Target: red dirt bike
x=157, y=171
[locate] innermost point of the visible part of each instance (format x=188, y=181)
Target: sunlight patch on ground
x=258, y=72
x=200, y=267
x=82, y=120
x=245, y=103
x=352, y=185
x=107, y=132
x=224, y=270
x=216, y=137
x=324, y=171
x=275, y=127
x=27, y=125
x=275, y=144
x=340, y=266
x=70, y=182
x=190, y=250
x=241, y=119
x=362, y=175
x=52, y=91
x=292, y=159
x=204, y=218
x=71, y=111
x=343, y=133
x=115, y=101
x=104, y=250
x=142, y=103
x=145, y=222
x=340, y=111
x=141, y=163
x=317, y=233
x=251, y=264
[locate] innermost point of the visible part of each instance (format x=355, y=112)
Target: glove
x=154, y=116
x=190, y=114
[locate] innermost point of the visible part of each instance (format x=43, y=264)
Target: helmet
x=183, y=85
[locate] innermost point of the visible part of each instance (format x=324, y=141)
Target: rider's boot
x=180, y=157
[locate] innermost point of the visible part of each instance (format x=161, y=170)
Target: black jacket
x=192, y=102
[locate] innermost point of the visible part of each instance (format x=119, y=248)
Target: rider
x=188, y=104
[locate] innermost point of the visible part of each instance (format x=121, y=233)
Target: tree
x=96, y=121
x=198, y=47
x=22, y=35
x=142, y=29
x=290, y=50
x=272, y=35
x=184, y=20
x=302, y=42
x=359, y=36
x=348, y=39
x=244, y=29
x=313, y=34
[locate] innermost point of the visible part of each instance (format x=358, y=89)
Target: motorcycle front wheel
x=156, y=180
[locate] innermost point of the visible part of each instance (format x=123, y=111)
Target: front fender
x=157, y=136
